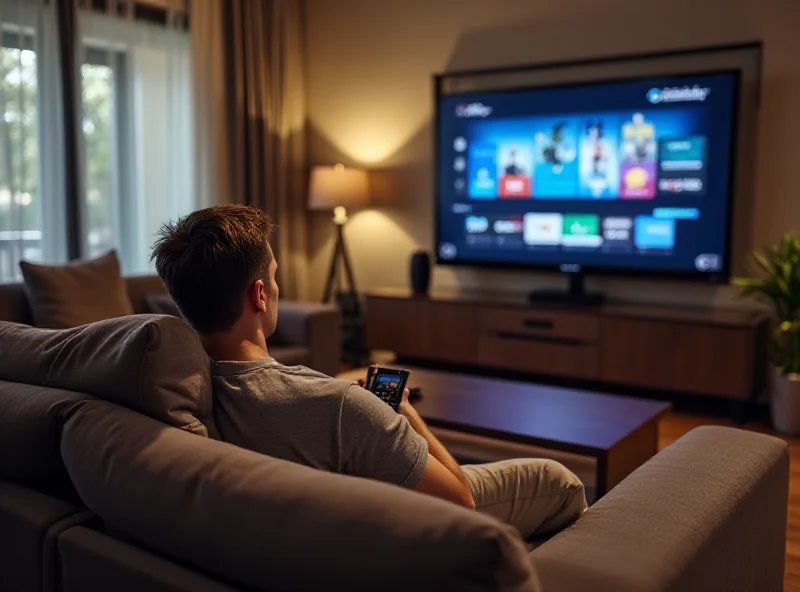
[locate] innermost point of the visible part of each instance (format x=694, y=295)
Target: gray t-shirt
x=297, y=414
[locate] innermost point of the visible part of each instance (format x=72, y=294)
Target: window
x=101, y=80
x=20, y=206
x=137, y=148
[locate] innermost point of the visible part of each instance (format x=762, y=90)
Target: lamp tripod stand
x=339, y=256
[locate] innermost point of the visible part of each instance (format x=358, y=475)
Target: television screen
x=622, y=176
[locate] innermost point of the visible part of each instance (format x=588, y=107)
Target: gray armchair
x=309, y=334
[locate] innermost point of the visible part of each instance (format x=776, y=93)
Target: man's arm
x=437, y=473
x=434, y=480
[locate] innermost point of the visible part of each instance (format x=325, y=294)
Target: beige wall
x=370, y=104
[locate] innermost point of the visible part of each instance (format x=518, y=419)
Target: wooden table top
x=577, y=421
x=715, y=316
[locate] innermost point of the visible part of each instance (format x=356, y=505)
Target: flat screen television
x=618, y=177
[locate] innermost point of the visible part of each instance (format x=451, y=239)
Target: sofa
x=308, y=334
x=112, y=478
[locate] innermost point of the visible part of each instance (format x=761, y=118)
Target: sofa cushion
x=153, y=364
x=30, y=432
x=94, y=561
x=29, y=524
x=275, y=525
x=77, y=293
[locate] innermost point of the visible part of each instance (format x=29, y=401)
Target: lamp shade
x=333, y=186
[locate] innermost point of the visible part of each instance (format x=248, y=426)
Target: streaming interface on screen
x=628, y=174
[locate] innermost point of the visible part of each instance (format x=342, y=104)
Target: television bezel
x=719, y=277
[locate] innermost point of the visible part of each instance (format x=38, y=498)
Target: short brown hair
x=208, y=259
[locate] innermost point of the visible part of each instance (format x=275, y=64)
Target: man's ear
x=258, y=296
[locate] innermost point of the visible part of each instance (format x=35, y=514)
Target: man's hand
x=362, y=382
x=404, y=404
x=402, y=407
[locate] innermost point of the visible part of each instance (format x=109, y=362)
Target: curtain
x=32, y=197
x=137, y=134
x=251, y=108
x=211, y=160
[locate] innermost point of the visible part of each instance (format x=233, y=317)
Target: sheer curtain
x=137, y=134
x=32, y=203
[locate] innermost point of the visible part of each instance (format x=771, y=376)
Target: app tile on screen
x=515, y=168
x=581, y=230
x=654, y=233
x=556, y=158
x=638, y=154
x=543, y=229
x=599, y=168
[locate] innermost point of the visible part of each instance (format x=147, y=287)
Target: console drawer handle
x=538, y=323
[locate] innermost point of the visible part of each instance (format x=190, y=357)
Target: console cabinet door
x=714, y=361
x=403, y=326
x=636, y=352
x=455, y=333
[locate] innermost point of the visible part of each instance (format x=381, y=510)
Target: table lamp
x=337, y=188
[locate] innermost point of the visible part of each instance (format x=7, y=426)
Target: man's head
x=218, y=267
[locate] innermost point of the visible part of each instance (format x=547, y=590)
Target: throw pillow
x=161, y=304
x=78, y=293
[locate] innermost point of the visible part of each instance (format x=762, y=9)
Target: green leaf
x=762, y=262
x=777, y=284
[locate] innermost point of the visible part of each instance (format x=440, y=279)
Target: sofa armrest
x=707, y=513
x=316, y=327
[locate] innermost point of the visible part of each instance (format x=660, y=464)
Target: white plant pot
x=785, y=404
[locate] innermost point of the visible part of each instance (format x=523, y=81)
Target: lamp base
x=339, y=252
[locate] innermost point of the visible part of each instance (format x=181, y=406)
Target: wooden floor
x=677, y=424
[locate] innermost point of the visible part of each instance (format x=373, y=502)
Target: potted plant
x=778, y=286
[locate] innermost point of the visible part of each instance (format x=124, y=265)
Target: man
x=219, y=268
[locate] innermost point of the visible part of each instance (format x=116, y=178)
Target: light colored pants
x=534, y=495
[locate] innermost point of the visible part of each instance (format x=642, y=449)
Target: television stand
x=576, y=295
x=716, y=352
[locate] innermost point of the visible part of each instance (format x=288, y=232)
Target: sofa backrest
x=14, y=301
x=274, y=525
x=153, y=364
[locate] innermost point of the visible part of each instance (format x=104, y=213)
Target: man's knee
x=575, y=498
x=564, y=484
x=556, y=478
x=547, y=474
x=562, y=476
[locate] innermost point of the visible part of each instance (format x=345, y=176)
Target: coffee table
x=621, y=433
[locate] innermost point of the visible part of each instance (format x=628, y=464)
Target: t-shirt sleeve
x=378, y=443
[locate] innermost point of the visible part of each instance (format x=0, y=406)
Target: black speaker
x=420, y=272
